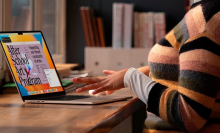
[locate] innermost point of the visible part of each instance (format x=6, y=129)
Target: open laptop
x=34, y=71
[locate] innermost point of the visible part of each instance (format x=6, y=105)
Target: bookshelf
x=75, y=36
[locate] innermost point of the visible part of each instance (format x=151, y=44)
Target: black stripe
x=164, y=42
x=195, y=5
x=164, y=71
x=199, y=87
x=199, y=82
x=217, y=100
x=173, y=113
x=154, y=98
x=203, y=111
x=165, y=75
x=212, y=121
x=210, y=8
x=201, y=43
x=159, y=67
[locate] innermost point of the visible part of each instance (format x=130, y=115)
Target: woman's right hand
x=108, y=84
x=109, y=72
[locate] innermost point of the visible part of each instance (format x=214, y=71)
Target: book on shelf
x=89, y=23
x=93, y=28
x=128, y=24
x=122, y=25
x=141, y=30
x=136, y=30
x=149, y=28
x=85, y=26
x=117, y=27
x=160, y=26
x=101, y=31
x=64, y=70
x=67, y=65
x=146, y=28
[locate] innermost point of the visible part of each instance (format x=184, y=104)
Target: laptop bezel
x=39, y=96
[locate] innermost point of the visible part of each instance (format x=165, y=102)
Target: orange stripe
x=210, y=128
x=198, y=97
x=160, y=131
x=203, y=34
x=187, y=114
x=157, y=58
x=168, y=83
x=163, y=103
x=200, y=67
x=216, y=107
x=200, y=55
x=172, y=40
x=199, y=18
x=215, y=115
x=167, y=51
x=193, y=115
x=213, y=26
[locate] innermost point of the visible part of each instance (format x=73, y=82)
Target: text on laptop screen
x=31, y=64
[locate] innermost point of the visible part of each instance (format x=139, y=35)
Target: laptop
x=35, y=74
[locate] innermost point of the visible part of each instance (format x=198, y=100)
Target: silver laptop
x=35, y=74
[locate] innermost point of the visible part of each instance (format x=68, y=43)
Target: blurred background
x=94, y=34
x=52, y=15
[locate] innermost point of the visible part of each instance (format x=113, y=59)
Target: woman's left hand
x=110, y=83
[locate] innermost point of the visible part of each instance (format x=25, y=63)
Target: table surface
x=19, y=117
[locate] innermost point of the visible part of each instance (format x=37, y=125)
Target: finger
x=109, y=92
x=86, y=80
x=100, y=89
x=89, y=87
x=108, y=72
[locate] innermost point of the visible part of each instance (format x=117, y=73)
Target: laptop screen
x=31, y=64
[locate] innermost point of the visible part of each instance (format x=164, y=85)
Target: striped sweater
x=186, y=66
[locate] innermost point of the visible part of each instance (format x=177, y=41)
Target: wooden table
x=19, y=117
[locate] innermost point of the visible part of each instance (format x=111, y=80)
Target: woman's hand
x=114, y=81
x=109, y=72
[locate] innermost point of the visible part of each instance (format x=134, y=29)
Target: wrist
x=145, y=70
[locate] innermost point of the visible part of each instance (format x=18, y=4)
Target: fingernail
x=76, y=78
x=94, y=92
x=78, y=90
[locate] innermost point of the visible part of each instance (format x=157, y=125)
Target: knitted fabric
x=186, y=66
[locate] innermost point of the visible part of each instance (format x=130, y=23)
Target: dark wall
x=174, y=10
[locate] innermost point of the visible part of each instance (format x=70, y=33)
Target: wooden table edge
x=117, y=117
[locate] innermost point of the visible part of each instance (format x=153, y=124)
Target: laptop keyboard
x=67, y=97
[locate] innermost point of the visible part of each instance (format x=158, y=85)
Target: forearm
x=139, y=83
x=145, y=70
